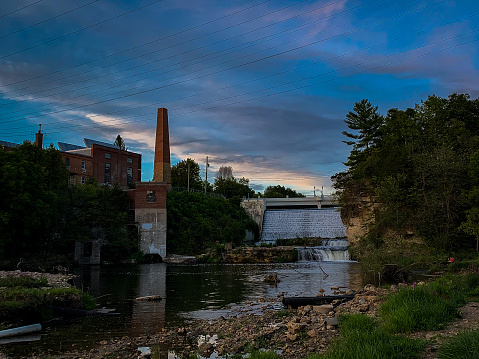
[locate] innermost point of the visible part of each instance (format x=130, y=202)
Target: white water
x=302, y=223
x=330, y=250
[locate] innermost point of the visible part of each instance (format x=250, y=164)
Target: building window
x=67, y=162
x=150, y=196
x=129, y=160
x=129, y=176
x=83, y=180
x=83, y=166
x=107, y=173
x=107, y=155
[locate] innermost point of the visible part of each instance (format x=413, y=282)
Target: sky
x=261, y=86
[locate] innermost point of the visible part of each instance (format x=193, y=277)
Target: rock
x=312, y=333
x=350, y=292
x=291, y=337
x=332, y=322
x=323, y=309
x=206, y=349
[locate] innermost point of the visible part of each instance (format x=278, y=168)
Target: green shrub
x=419, y=308
x=463, y=346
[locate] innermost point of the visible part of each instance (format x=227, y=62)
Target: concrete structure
x=256, y=207
x=149, y=198
x=104, y=162
x=87, y=253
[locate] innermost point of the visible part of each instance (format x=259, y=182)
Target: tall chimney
x=162, y=168
x=39, y=137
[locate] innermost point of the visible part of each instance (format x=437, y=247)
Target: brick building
x=104, y=162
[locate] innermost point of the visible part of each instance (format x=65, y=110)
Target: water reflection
x=188, y=291
x=149, y=317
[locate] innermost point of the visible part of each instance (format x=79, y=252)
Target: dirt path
x=469, y=321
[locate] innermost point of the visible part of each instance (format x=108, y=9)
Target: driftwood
x=295, y=302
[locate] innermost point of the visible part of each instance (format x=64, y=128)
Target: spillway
x=302, y=223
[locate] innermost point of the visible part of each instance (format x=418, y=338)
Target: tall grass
x=463, y=346
x=413, y=309
x=361, y=338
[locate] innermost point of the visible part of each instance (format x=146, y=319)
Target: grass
x=23, y=281
x=462, y=346
x=281, y=314
x=361, y=338
x=412, y=309
x=25, y=305
x=260, y=354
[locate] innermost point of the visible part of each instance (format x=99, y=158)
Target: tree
x=471, y=225
x=233, y=187
x=225, y=172
x=33, y=182
x=364, y=119
x=179, y=175
x=120, y=143
x=197, y=221
x=279, y=191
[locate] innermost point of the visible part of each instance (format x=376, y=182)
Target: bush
x=463, y=346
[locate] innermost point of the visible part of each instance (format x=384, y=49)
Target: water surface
x=188, y=292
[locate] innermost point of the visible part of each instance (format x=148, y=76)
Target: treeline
x=41, y=216
x=186, y=174
x=419, y=168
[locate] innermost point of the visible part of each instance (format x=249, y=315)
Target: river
x=188, y=292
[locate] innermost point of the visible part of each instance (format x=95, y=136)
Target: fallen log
x=295, y=302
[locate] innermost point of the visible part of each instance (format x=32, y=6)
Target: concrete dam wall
x=299, y=223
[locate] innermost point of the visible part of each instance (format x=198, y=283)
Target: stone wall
x=283, y=254
x=87, y=253
x=255, y=209
x=356, y=220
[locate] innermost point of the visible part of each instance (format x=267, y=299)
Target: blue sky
x=261, y=86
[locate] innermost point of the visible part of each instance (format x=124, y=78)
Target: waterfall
x=302, y=223
x=329, y=250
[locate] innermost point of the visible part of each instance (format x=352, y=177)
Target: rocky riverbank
x=293, y=333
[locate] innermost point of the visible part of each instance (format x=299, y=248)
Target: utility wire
x=21, y=8
x=79, y=30
x=237, y=47
x=89, y=127
x=49, y=19
x=138, y=46
x=226, y=69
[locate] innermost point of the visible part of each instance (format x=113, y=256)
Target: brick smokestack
x=162, y=169
x=39, y=137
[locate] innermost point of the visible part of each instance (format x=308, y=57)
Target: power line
x=227, y=69
x=49, y=19
x=21, y=8
x=321, y=82
x=253, y=42
x=80, y=30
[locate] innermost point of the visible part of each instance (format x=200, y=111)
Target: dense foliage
x=180, y=176
x=279, y=191
x=41, y=215
x=197, y=221
x=419, y=166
